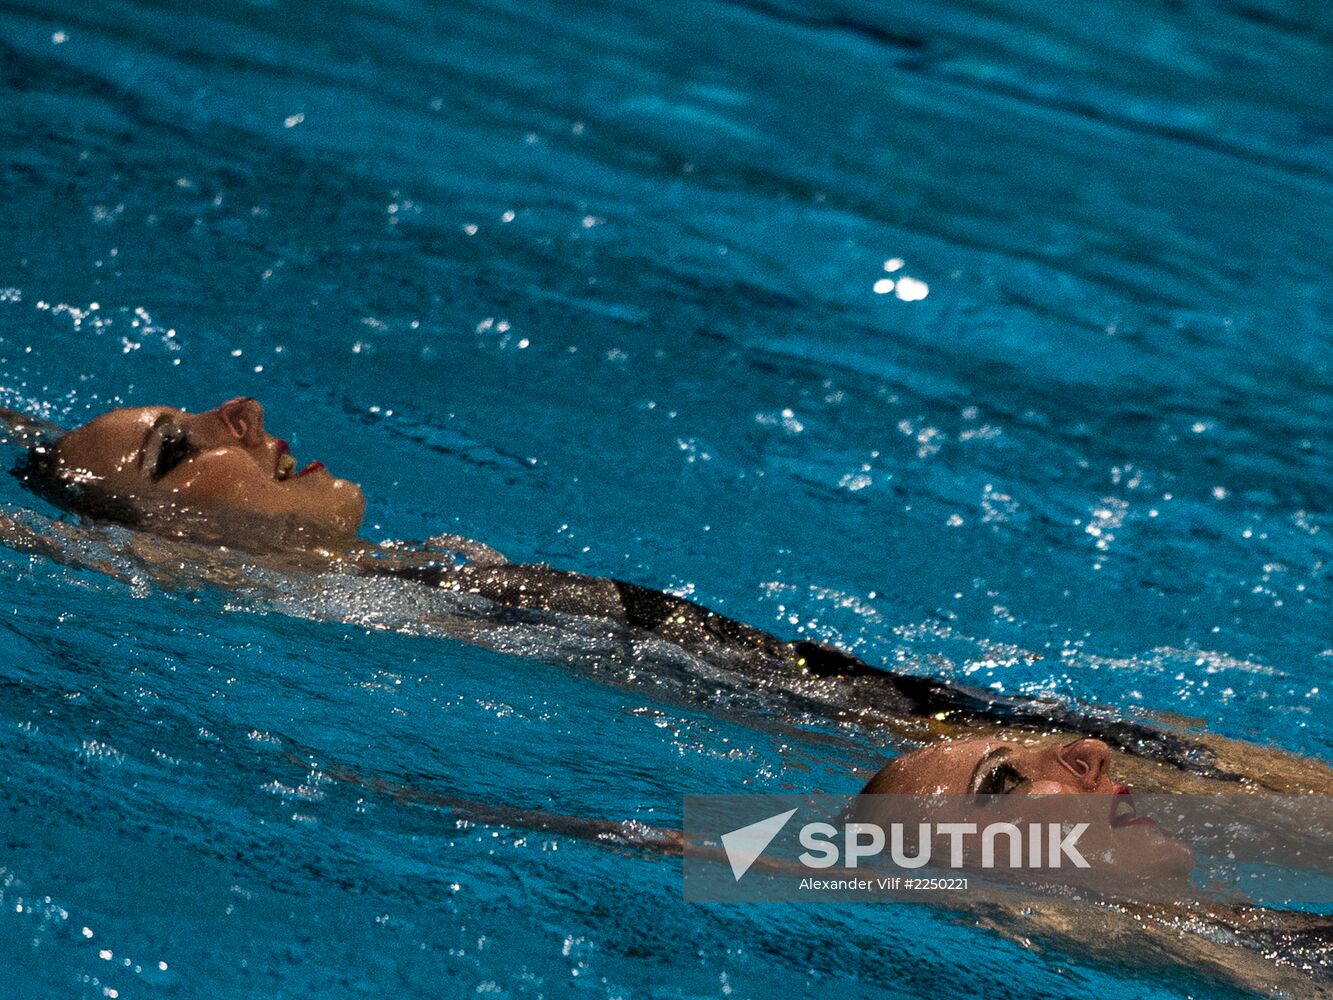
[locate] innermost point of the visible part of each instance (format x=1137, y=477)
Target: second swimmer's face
x=164, y=461
x=989, y=768
x=999, y=767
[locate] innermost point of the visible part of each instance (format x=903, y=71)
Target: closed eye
x=165, y=446
x=175, y=450
x=1002, y=779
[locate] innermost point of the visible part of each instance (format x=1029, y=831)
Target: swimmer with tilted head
x=1128, y=854
x=218, y=478
x=1137, y=904
x=990, y=768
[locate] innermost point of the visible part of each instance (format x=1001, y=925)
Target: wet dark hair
x=39, y=472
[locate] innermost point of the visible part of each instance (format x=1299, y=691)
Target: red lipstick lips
x=1123, y=812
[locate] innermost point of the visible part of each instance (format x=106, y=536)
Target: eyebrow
x=999, y=753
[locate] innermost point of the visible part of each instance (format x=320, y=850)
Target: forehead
x=947, y=766
x=111, y=436
x=962, y=753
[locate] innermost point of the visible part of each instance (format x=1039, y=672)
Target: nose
x=1088, y=760
x=243, y=419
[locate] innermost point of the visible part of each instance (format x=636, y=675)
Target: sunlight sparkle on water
x=911, y=290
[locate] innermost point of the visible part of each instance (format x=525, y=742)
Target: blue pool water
x=605, y=285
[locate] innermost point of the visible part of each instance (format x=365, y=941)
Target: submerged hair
x=40, y=472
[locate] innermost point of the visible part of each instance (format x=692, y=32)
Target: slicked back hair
x=39, y=471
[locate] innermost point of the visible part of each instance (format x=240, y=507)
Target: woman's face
x=988, y=767
x=983, y=766
x=216, y=463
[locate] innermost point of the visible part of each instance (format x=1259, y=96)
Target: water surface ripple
x=991, y=340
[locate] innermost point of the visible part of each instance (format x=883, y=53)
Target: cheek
x=1044, y=786
x=216, y=475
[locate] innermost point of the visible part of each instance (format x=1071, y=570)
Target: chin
x=1151, y=854
x=350, y=505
